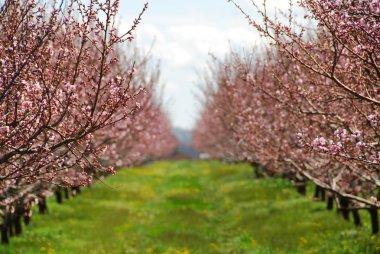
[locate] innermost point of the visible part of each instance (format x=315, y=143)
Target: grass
x=192, y=207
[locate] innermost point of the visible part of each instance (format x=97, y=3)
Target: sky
x=184, y=32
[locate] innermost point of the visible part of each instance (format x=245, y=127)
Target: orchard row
x=305, y=104
x=75, y=101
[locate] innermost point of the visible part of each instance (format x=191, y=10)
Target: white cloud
x=270, y=4
x=184, y=33
x=173, y=53
x=182, y=45
x=151, y=31
x=239, y=34
x=183, y=48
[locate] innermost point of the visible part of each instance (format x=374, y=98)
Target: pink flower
x=356, y=135
x=372, y=119
x=250, y=77
x=4, y=129
x=336, y=148
x=360, y=145
x=70, y=88
x=26, y=105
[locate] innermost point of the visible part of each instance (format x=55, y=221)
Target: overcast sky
x=185, y=32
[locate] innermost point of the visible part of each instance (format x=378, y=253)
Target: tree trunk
x=66, y=191
x=330, y=202
x=17, y=224
x=258, y=170
x=75, y=191
x=317, y=191
x=357, y=219
x=10, y=225
x=27, y=218
x=4, y=229
x=323, y=194
x=344, y=208
x=374, y=220
x=58, y=195
x=301, y=188
x=20, y=211
x=42, y=206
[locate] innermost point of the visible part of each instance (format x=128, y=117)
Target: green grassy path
x=191, y=207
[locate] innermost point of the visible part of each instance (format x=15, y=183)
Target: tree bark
x=258, y=170
x=4, y=229
x=19, y=212
x=301, y=188
x=323, y=194
x=330, y=202
x=374, y=220
x=58, y=195
x=316, y=193
x=42, y=206
x=27, y=218
x=10, y=225
x=344, y=208
x=75, y=190
x=66, y=191
x=17, y=224
x=357, y=219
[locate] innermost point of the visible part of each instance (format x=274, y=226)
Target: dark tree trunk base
x=344, y=208
x=374, y=220
x=27, y=220
x=4, y=234
x=316, y=193
x=357, y=219
x=66, y=191
x=4, y=229
x=301, y=189
x=75, y=191
x=19, y=212
x=58, y=195
x=42, y=206
x=330, y=203
x=10, y=225
x=17, y=224
x=323, y=194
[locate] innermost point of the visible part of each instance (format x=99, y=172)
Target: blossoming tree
x=299, y=93
x=62, y=89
